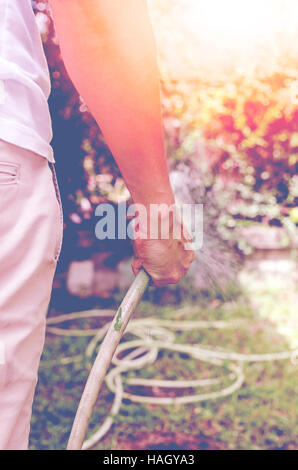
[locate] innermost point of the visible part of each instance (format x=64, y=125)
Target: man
x=109, y=52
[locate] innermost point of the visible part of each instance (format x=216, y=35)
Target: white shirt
x=24, y=80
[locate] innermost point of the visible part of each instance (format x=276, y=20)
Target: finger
x=188, y=258
x=136, y=266
x=172, y=278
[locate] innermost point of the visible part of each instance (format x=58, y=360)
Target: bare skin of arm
x=109, y=51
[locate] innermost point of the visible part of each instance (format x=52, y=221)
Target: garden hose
x=154, y=335
x=104, y=358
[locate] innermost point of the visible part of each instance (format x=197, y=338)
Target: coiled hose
x=154, y=335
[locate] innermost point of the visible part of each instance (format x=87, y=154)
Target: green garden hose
x=104, y=358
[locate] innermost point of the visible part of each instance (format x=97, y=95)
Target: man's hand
x=166, y=259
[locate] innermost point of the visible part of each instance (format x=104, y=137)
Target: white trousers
x=30, y=240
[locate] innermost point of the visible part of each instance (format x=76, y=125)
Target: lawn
x=259, y=415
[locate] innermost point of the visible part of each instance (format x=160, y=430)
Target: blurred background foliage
x=238, y=126
x=243, y=137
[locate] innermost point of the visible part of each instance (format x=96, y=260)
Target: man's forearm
x=109, y=52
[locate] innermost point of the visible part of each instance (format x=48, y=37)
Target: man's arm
x=109, y=51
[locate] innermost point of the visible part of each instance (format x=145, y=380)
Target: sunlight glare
x=236, y=19
x=225, y=34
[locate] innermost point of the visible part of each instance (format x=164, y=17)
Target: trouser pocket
x=9, y=173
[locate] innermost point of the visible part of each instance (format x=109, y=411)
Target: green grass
x=261, y=415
